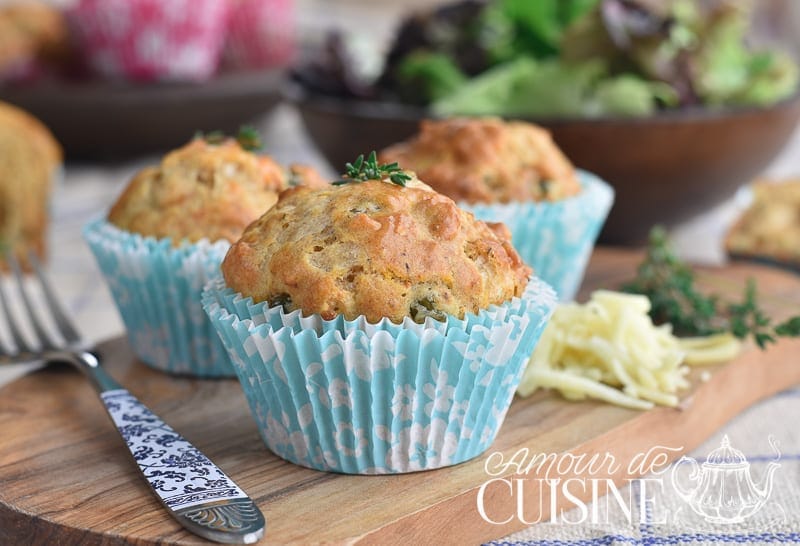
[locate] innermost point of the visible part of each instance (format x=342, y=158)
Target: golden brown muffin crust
x=15, y=47
x=770, y=227
x=374, y=249
x=204, y=191
x=29, y=157
x=31, y=29
x=487, y=160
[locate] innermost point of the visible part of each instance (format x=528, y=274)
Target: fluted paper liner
x=277, y=317
x=557, y=238
x=157, y=290
x=385, y=399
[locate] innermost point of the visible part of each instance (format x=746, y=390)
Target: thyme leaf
x=362, y=170
x=248, y=138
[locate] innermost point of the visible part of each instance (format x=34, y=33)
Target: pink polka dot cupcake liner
x=261, y=34
x=151, y=40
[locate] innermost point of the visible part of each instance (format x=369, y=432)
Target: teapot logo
x=723, y=490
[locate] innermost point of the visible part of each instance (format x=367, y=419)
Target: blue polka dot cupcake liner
x=157, y=289
x=557, y=238
x=348, y=397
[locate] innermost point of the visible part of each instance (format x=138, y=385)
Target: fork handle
x=192, y=488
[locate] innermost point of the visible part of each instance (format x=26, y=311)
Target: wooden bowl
x=105, y=120
x=665, y=168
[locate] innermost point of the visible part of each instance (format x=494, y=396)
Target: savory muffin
x=15, y=48
x=512, y=172
x=29, y=159
x=376, y=249
x=771, y=226
x=203, y=190
x=31, y=30
x=363, y=264
x=167, y=235
x=487, y=160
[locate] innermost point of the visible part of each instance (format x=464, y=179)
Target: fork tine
x=45, y=340
x=63, y=323
x=21, y=344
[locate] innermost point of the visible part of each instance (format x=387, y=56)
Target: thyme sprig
x=362, y=170
x=248, y=138
x=669, y=283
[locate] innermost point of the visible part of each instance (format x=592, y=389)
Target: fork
x=192, y=489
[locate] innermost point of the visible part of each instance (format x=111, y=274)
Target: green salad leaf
x=698, y=48
x=430, y=76
x=773, y=77
x=532, y=28
x=630, y=95
x=576, y=58
x=526, y=87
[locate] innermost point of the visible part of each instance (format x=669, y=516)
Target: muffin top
x=487, y=160
x=770, y=227
x=19, y=126
x=377, y=249
x=31, y=29
x=210, y=190
x=29, y=156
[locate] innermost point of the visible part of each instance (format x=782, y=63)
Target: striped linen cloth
x=777, y=522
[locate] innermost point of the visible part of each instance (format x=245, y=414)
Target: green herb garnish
x=214, y=137
x=669, y=283
x=248, y=138
x=362, y=170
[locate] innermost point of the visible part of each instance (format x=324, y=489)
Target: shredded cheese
x=609, y=349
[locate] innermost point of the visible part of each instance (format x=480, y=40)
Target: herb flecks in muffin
x=204, y=191
x=361, y=171
x=425, y=307
x=284, y=300
x=248, y=138
x=377, y=250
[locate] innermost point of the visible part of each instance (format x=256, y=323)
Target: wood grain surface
x=66, y=479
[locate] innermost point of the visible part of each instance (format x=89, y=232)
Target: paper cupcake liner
x=387, y=401
x=147, y=40
x=260, y=34
x=556, y=239
x=276, y=317
x=157, y=290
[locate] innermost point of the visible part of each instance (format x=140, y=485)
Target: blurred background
x=678, y=104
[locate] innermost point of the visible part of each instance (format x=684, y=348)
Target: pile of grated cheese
x=610, y=349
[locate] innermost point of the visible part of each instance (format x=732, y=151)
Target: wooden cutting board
x=65, y=478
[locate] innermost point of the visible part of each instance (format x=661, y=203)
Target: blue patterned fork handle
x=192, y=488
